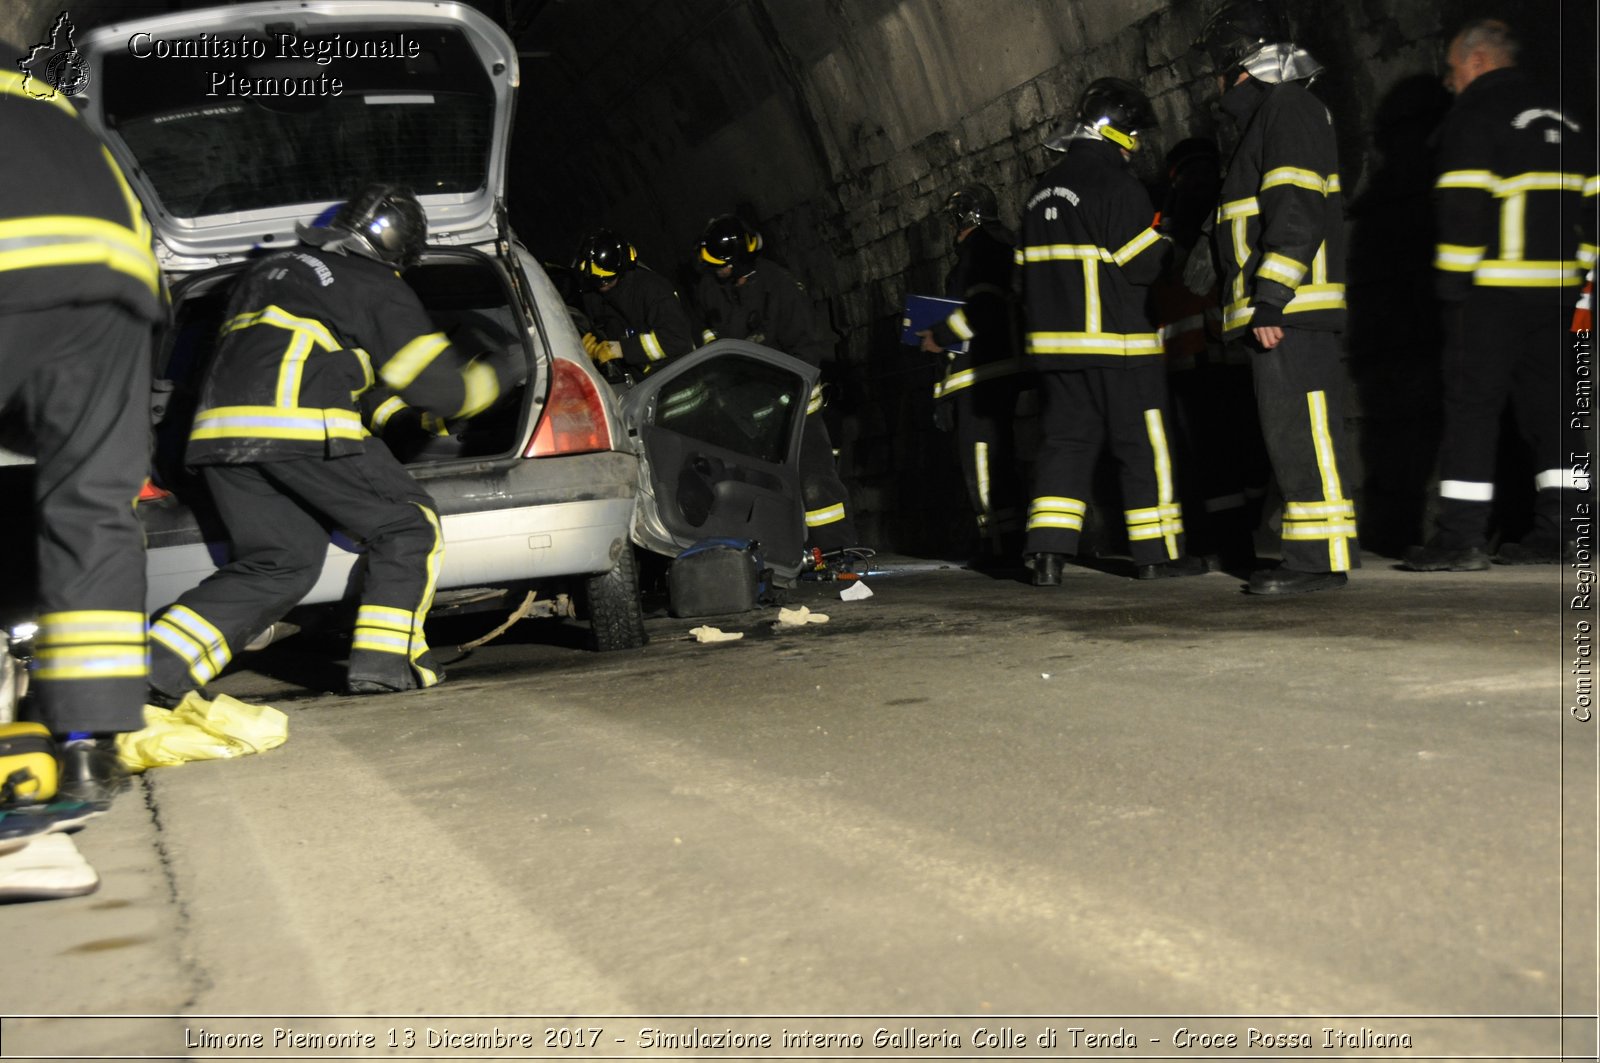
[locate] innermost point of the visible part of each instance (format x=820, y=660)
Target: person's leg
x=1073, y=429
x=277, y=549
x=829, y=523
x=371, y=497
x=82, y=375
x=1138, y=429
x=1298, y=389
x=1543, y=379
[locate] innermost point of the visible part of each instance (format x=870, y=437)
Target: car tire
x=613, y=607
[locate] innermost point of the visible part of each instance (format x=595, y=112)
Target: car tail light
x=574, y=420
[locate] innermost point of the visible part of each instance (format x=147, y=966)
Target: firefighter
x=1514, y=206
x=634, y=314
x=1088, y=255
x=745, y=295
x=80, y=297
x=1280, y=242
x=983, y=373
x=279, y=440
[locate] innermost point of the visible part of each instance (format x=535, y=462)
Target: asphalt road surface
x=963, y=799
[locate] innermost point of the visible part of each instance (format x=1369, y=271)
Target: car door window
x=738, y=404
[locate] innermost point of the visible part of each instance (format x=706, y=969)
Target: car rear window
x=210, y=145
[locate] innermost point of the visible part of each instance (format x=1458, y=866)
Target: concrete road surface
x=960, y=807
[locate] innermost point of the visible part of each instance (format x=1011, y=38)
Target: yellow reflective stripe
x=11, y=85
x=384, y=629
x=1513, y=213
x=386, y=409
x=1504, y=273
x=1281, y=268
x=194, y=639
x=1059, y=252
x=980, y=466
x=978, y=374
x=815, y=402
x=82, y=663
x=278, y=317
x=482, y=387
x=1293, y=175
x=1055, y=511
x=276, y=422
x=1586, y=255
x=957, y=323
x=1549, y=181
x=1481, y=179
x=419, y=645
x=73, y=240
x=291, y=370
x=652, y=346
x=1328, y=469
x=706, y=336
x=1591, y=186
x=1168, y=513
x=409, y=361
x=1126, y=253
x=1334, y=530
x=1114, y=343
x=1458, y=258
x=1238, y=208
x=79, y=626
x=816, y=518
x=367, y=377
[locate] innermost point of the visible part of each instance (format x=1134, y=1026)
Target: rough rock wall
x=840, y=126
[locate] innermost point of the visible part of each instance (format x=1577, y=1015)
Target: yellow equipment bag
x=28, y=765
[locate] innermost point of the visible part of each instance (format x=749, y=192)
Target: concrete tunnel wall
x=839, y=127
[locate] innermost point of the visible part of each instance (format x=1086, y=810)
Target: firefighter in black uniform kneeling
x=745, y=295
x=1280, y=242
x=636, y=321
x=981, y=381
x=80, y=296
x=1088, y=255
x=279, y=440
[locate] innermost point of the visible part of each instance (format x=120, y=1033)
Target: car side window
x=738, y=404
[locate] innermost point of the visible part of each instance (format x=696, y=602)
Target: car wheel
x=611, y=599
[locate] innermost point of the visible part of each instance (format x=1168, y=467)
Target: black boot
x=1047, y=569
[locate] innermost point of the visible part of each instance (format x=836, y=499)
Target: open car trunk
x=468, y=297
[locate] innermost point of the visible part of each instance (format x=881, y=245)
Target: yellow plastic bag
x=202, y=730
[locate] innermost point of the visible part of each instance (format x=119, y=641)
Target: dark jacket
x=982, y=280
x=307, y=331
x=1280, y=226
x=1515, y=195
x=770, y=307
x=643, y=314
x=71, y=229
x=1088, y=254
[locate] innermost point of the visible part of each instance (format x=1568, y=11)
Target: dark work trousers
x=1085, y=409
x=80, y=375
x=1222, y=463
x=829, y=524
x=1299, y=387
x=985, y=414
x=278, y=515
x=1503, y=347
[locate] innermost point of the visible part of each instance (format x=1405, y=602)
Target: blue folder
x=923, y=312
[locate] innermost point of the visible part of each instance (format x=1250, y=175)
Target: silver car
x=235, y=123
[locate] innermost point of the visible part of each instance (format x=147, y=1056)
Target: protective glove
x=1200, y=270
x=591, y=343
x=944, y=416
x=608, y=351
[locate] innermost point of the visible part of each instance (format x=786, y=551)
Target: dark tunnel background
x=839, y=127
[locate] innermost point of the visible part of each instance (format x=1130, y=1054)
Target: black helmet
x=728, y=241
x=1237, y=31
x=1117, y=110
x=971, y=206
x=601, y=257
x=387, y=223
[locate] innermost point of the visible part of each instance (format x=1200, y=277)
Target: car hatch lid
x=236, y=123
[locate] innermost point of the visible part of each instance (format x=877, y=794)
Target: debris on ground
x=856, y=592
x=707, y=633
x=198, y=729
x=800, y=616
